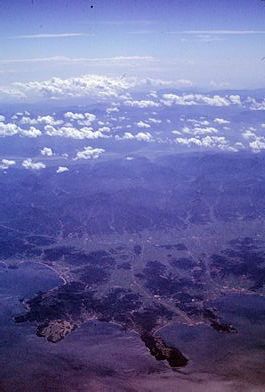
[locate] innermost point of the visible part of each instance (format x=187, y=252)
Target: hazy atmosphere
x=206, y=43
x=132, y=208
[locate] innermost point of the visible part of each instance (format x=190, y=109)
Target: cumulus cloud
x=25, y=120
x=89, y=133
x=47, y=151
x=142, y=104
x=112, y=110
x=89, y=153
x=31, y=132
x=256, y=105
x=92, y=86
x=199, y=128
x=30, y=165
x=200, y=99
x=80, y=116
x=203, y=130
x=142, y=124
x=249, y=134
x=8, y=129
x=40, y=120
x=104, y=129
x=221, y=121
x=154, y=120
x=11, y=129
x=198, y=122
x=143, y=136
x=62, y=169
x=118, y=115
x=140, y=136
x=125, y=136
x=258, y=144
x=48, y=120
x=75, y=133
x=6, y=164
x=214, y=142
x=101, y=88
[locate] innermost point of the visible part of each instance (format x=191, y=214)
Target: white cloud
x=96, y=61
x=234, y=99
x=184, y=83
x=62, y=169
x=104, y=129
x=31, y=132
x=153, y=94
x=176, y=132
x=249, y=134
x=75, y=133
x=47, y=151
x=214, y=142
x=126, y=136
x=202, y=38
x=258, y=144
x=221, y=121
x=102, y=88
x=84, y=123
x=255, y=105
x=48, y=120
x=53, y=35
x=8, y=129
x=2, y=118
x=239, y=146
x=143, y=136
x=142, y=104
x=80, y=116
x=41, y=120
x=197, y=122
x=142, y=124
x=30, y=165
x=218, y=85
x=89, y=133
x=200, y=99
x=92, y=86
x=219, y=32
x=112, y=110
x=25, y=120
x=89, y=153
x=204, y=130
x=140, y=136
x=154, y=121
x=187, y=130
x=6, y=164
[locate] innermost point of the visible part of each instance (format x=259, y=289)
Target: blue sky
x=213, y=44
